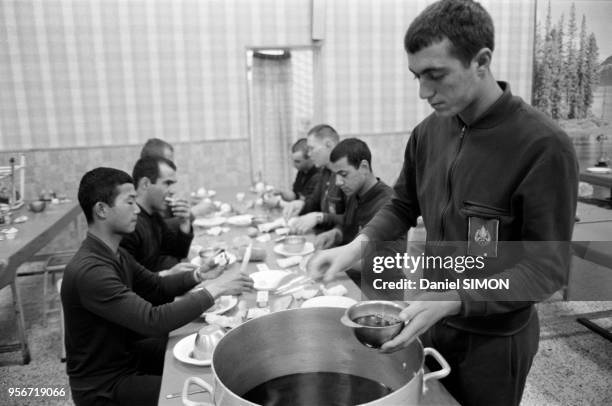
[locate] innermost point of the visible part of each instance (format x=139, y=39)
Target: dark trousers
x=138, y=389
x=485, y=370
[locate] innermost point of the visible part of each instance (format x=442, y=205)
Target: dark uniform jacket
x=504, y=186
x=109, y=302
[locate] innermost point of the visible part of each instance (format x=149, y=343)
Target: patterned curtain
x=271, y=118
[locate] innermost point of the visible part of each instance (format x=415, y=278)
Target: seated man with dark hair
x=152, y=243
x=351, y=162
x=111, y=302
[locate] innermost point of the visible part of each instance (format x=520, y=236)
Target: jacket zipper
x=449, y=188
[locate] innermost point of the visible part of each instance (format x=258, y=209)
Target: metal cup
x=360, y=316
x=206, y=340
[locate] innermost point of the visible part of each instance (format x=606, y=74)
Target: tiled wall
x=209, y=164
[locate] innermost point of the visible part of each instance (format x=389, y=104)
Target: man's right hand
x=292, y=209
x=326, y=264
x=230, y=283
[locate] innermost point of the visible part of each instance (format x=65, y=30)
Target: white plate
x=599, y=169
x=330, y=301
x=267, y=280
x=231, y=258
x=222, y=304
x=183, y=351
x=242, y=220
x=209, y=221
x=280, y=250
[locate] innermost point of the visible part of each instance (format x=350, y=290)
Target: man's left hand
x=420, y=315
x=178, y=268
x=182, y=210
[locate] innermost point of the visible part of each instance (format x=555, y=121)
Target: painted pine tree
x=565, y=68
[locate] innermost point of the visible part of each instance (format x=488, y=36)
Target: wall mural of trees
x=566, y=68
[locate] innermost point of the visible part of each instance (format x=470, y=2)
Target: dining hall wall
x=86, y=82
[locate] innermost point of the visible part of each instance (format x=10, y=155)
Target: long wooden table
x=34, y=234
x=176, y=372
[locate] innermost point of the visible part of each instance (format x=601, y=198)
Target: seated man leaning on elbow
x=351, y=162
x=153, y=244
x=111, y=302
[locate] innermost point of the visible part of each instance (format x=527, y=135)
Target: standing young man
x=111, y=302
x=491, y=177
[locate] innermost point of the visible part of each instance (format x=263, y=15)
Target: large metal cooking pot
x=310, y=340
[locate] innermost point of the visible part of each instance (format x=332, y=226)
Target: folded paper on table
x=338, y=290
x=289, y=261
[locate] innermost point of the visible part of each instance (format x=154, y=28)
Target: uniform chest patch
x=482, y=236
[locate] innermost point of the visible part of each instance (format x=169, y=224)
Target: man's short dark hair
x=354, y=150
x=155, y=147
x=100, y=185
x=324, y=131
x=148, y=167
x=466, y=24
x=300, y=145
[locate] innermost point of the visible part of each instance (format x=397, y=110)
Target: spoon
x=179, y=394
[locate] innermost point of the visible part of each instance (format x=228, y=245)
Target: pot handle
x=201, y=383
x=441, y=373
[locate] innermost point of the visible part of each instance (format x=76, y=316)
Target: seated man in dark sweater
x=324, y=209
x=111, y=302
x=153, y=243
x=351, y=162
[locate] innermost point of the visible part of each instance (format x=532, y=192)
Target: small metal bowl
x=37, y=206
x=206, y=340
x=294, y=244
x=374, y=322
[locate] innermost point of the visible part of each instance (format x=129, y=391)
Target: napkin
x=215, y=231
x=282, y=231
x=267, y=227
x=338, y=290
x=256, y=312
x=264, y=238
x=305, y=293
x=289, y=261
x=224, y=321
